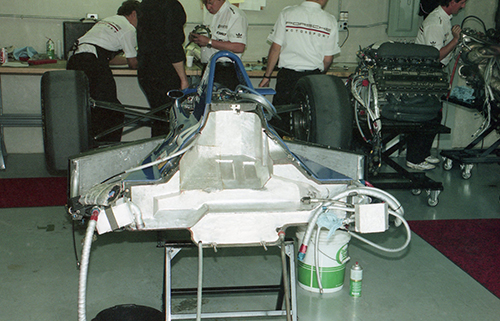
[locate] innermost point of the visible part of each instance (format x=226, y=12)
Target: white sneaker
x=431, y=159
x=424, y=166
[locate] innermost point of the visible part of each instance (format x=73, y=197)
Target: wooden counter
x=254, y=70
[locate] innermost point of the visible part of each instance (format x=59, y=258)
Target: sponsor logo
x=307, y=26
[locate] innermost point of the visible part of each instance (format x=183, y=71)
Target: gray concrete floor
x=40, y=278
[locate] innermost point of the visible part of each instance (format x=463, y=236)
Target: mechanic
x=436, y=31
x=95, y=51
x=304, y=40
x=228, y=26
x=161, y=56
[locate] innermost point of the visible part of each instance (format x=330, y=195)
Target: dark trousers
x=225, y=75
x=285, y=84
x=156, y=81
x=418, y=145
x=102, y=87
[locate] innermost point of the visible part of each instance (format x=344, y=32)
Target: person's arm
x=181, y=72
x=202, y=41
x=446, y=50
x=132, y=63
x=174, y=41
x=327, y=62
x=118, y=60
x=272, y=60
x=121, y=60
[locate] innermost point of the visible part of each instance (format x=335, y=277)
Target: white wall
x=31, y=22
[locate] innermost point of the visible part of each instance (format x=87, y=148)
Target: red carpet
x=29, y=192
x=473, y=245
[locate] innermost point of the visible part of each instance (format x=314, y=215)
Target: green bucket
x=332, y=257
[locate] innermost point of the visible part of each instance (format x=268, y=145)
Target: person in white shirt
x=304, y=40
x=228, y=26
x=95, y=51
x=436, y=31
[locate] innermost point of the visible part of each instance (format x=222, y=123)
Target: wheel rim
x=300, y=120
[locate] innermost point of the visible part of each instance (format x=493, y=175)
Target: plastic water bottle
x=51, y=49
x=356, y=280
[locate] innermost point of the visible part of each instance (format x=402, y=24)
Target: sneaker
x=431, y=159
x=424, y=166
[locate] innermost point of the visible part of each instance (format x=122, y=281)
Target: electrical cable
x=385, y=249
x=356, y=191
x=158, y=161
x=473, y=17
x=82, y=282
x=200, y=282
x=74, y=244
x=316, y=259
x=346, y=37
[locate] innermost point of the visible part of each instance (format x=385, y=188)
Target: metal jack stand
x=171, y=250
x=403, y=178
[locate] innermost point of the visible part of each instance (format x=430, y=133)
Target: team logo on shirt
x=239, y=35
x=307, y=28
x=111, y=25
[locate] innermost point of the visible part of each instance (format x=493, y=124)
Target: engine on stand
x=396, y=89
x=477, y=63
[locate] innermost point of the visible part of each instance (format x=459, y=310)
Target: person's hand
x=264, y=82
x=456, y=31
x=200, y=40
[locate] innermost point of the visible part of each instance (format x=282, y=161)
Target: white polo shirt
x=228, y=24
x=306, y=34
x=114, y=34
x=436, y=31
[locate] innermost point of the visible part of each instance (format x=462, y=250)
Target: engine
x=409, y=80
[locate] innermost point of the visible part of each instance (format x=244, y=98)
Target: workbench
x=254, y=70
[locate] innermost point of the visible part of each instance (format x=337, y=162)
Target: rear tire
x=325, y=116
x=65, y=117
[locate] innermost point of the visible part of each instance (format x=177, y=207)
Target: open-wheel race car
x=227, y=176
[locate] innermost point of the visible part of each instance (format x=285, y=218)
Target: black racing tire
x=325, y=116
x=130, y=312
x=65, y=117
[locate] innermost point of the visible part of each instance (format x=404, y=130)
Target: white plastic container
x=332, y=258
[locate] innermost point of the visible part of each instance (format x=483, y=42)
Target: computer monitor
x=72, y=30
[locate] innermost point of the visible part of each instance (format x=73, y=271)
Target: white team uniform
x=114, y=33
x=228, y=24
x=436, y=31
x=306, y=34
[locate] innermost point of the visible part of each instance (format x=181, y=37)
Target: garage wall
x=31, y=22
